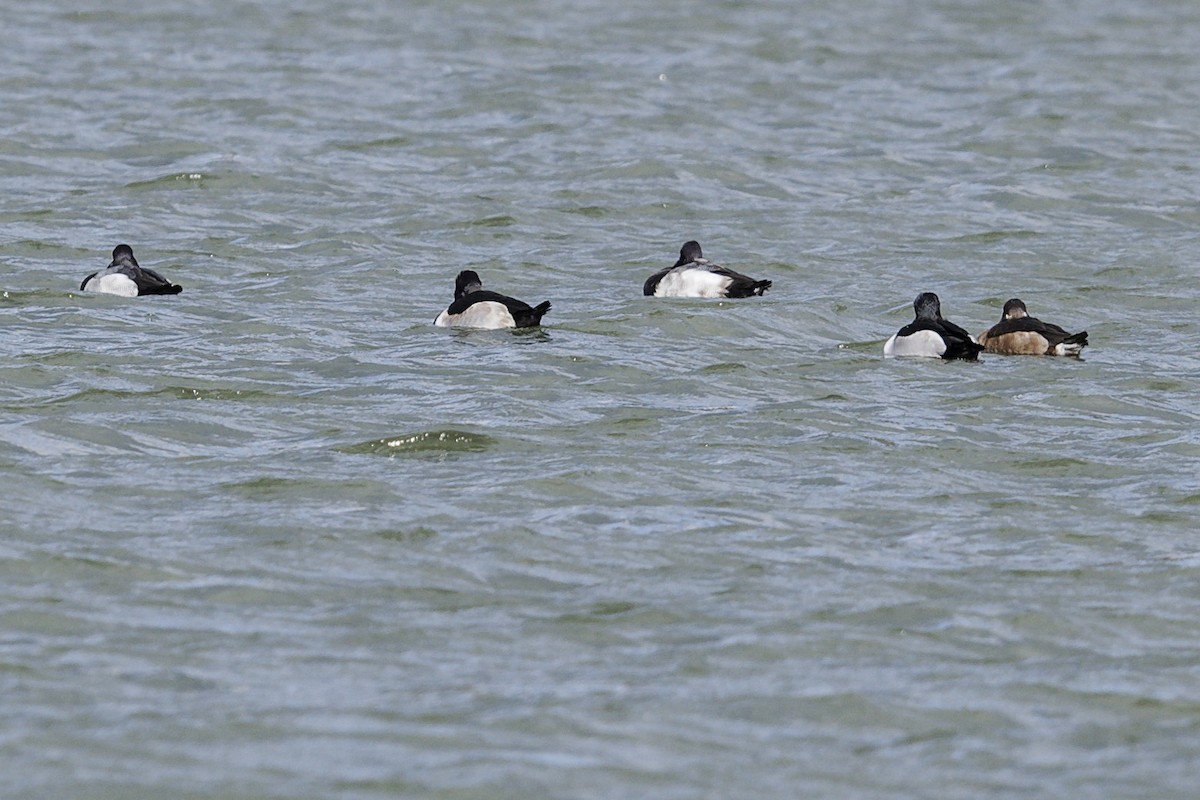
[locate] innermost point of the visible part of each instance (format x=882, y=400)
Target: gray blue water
x=280, y=537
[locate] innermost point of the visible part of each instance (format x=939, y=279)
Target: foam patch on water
x=443, y=441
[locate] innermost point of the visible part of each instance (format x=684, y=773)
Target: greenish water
x=278, y=536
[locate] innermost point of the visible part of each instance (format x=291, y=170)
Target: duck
x=475, y=307
x=1018, y=334
x=931, y=336
x=125, y=277
x=693, y=275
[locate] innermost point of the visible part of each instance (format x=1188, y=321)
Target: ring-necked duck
x=695, y=276
x=931, y=336
x=1017, y=334
x=125, y=277
x=474, y=307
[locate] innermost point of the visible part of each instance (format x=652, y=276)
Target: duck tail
x=539, y=311
x=170, y=288
x=967, y=349
x=1072, y=345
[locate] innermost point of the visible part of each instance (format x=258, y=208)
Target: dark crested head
x=1015, y=309
x=927, y=306
x=466, y=282
x=689, y=253
x=123, y=253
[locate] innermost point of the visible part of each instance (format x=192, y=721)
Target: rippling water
x=278, y=536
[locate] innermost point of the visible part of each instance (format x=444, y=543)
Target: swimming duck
x=1018, y=334
x=474, y=307
x=931, y=336
x=125, y=277
x=695, y=276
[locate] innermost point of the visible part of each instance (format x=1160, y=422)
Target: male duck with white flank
x=1018, y=334
x=125, y=277
x=474, y=307
x=931, y=336
x=695, y=276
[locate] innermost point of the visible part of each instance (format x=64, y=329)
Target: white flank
x=922, y=343
x=692, y=283
x=487, y=314
x=113, y=283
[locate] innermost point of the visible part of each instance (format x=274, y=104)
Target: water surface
x=278, y=536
